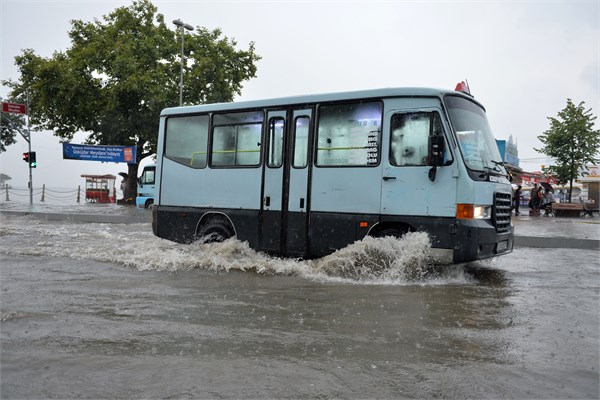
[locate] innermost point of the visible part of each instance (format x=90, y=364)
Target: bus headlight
x=471, y=211
x=482, y=212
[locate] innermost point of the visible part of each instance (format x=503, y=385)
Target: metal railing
x=10, y=193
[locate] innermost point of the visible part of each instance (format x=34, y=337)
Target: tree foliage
x=10, y=125
x=572, y=141
x=121, y=71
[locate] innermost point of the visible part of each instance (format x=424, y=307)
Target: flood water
x=93, y=310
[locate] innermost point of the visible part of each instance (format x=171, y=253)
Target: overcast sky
x=522, y=59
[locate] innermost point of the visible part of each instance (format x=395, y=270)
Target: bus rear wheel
x=214, y=231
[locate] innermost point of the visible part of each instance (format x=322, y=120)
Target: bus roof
x=314, y=98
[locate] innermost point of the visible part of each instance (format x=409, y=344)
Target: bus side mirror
x=437, y=145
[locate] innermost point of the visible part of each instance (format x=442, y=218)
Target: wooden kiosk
x=100, y=188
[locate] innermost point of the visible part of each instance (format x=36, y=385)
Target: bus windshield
x=477, y=143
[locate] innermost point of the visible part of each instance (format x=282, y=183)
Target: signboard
x=14, y=108
x=506, y=150
x=118, y=154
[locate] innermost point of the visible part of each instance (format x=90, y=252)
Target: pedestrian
x=539, y=196
x=517, y=199
x=546, y=203
x=535, y=200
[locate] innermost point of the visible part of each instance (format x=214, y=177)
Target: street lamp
x=182, y=25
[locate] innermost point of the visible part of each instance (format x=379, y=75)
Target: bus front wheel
x=214, y=231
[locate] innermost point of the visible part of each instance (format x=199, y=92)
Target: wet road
x=109, y=311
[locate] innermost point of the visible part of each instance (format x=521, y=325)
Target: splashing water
x=387, y=259
x=372, y=260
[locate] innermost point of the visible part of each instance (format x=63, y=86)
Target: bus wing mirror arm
x=432, y=173
x=435, y=154
x=436, y=148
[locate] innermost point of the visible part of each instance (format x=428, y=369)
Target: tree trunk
x=570, y=189
x=130, y=184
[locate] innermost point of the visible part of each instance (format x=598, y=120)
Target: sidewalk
x=557, y=232
x=86, y=212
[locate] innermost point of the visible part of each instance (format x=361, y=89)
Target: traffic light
x=29, y=157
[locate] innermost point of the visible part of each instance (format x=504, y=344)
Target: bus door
x=274, y=171
x=297, y=185
x=285, y=200
x=407, y=185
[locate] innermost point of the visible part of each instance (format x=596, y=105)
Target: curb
x=93, y=218
x=556, y=242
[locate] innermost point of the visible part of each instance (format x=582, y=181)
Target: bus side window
x=410, y=135
x=237, y=139
x=348, y=134
x=186, y=140
x=301, y=142
x=276, y=129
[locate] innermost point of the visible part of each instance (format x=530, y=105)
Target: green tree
x=572, y=141
x=119, y=73
x=10, y=125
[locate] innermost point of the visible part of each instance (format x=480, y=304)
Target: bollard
x=43, y=193
x=78, y=193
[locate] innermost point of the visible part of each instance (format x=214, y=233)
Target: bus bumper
x=478, y=239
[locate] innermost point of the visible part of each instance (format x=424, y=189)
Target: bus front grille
x=502, y=203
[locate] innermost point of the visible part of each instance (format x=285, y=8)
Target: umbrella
x=547, y=187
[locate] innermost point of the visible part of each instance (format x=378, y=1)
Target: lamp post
x=183, y=26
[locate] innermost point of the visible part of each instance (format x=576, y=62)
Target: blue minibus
x=305, y=176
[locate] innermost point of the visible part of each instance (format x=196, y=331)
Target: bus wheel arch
x=214, y=227
x=394, y=229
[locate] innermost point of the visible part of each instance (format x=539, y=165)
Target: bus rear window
x=186, y=140
x=349, y=134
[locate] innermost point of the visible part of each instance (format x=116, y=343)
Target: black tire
x=149, y=203
x=214, y=231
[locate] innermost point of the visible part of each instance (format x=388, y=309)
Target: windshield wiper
x=495, y=170
x=503, y=165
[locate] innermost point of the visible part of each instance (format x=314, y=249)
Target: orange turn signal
x=465, y=211
x=363, y=224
